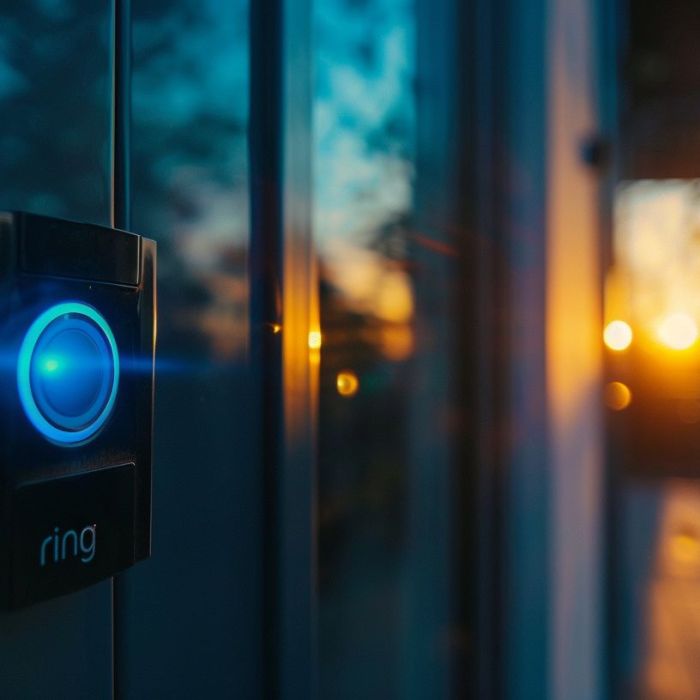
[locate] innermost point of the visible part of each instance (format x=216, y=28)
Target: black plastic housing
x=104, y=484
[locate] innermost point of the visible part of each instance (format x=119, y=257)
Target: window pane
x=387, y=276
x=364, y=114
x=55, y=101
x=55, y=122
x=190, y=193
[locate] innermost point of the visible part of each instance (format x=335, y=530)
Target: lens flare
x=618, y=335
x=678, y=331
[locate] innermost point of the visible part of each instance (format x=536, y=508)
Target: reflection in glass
x=190, y=90
x=364, y=113
x=189, y=168
x=55, y=97
x=55, y=127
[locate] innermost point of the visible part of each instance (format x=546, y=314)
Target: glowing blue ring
x=24, y=372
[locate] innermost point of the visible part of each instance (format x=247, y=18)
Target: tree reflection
x=189, y=166
x=55, y=107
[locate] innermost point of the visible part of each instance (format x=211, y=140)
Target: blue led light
x=51, y=364
x=68, y=373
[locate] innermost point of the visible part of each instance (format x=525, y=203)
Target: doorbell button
x=68, y=373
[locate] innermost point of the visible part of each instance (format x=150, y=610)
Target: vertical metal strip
x=265, y=280
x=121, y=120
x=282, y=293
x=523, y=453
x=459, y=168
x=610, y=43
x=300, y=364
x=490, y=167
x=120, y=218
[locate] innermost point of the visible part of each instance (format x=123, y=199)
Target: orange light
x=396, y=341
x=685, y=547
x=617, y=396
x=617, y=335
x=315, y=340
x=678, y=331
x=394, y=298
x=347, y=383
x=688, y=411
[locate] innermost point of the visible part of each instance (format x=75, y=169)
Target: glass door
x=322, y=505
x=397, y=475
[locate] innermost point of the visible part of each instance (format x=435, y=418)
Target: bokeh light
x=617, y=396
x=685, y=547
x=315, y=340
x=678, y=331
x=617, y=335
x=347, y=383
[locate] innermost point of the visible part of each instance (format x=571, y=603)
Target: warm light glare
x=688, y=411
x=315, y=340
x=347, y=383
x=617, y=335
x=685, y=547
x=394, y=298
x=617, y=396
x=678, y=331
x=397, y=341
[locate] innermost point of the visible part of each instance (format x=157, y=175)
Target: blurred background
x=428, y=397
x=652, y=373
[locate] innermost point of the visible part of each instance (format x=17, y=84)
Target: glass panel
x=55, y=101
x=364, y=148
x=384, y=432
x=190, y=193
x=55, y=117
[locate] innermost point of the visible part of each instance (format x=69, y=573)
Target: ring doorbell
x=77, y=344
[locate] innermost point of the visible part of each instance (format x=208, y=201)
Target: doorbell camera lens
x=68, y=373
